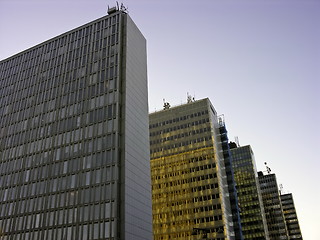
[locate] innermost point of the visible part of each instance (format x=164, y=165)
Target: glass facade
x=234, y=203
x=63, y=148
x=189, y=188
x=252, y=214
x=272, y=206
x=291, y=216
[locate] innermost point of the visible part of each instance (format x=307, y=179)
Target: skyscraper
x=74, y=144
x=230, y=180
x=272, y=206
x=189, y=184
x=253, y=221
x=291, y=216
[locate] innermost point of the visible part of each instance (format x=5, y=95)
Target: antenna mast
x=236, y=139
x=281, y=189
x=189, y=98
x=121, y=8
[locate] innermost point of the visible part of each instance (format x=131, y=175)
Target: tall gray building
x=74, y=142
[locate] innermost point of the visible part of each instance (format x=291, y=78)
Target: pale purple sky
x=258, y=61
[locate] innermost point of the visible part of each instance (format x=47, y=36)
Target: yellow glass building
x=189, y=188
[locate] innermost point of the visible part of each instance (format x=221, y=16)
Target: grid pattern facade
x=61, y=136
x=291, y=217
x=272, y=206
x=252, y=214
x=187, y=172
x=234, y=203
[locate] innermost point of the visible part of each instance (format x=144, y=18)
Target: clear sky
x=258, y=62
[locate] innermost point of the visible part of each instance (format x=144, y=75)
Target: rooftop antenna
x=268, y=169
x=166, y=105
x=123, y=8
x=236, y=139
x=281, y=189
x=221, y=120
x=189, y=98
